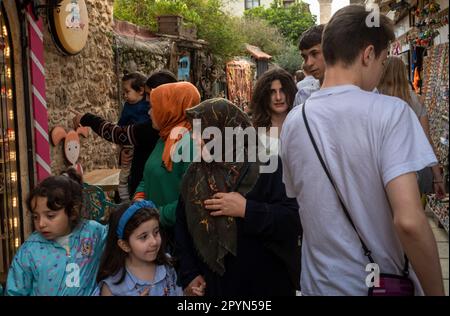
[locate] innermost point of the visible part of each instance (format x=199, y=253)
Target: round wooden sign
x=69, y=24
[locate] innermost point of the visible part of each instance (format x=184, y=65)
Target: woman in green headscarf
x=236, y=231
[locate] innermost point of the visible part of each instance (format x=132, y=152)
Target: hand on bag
x=196, y=287
x=227, y=204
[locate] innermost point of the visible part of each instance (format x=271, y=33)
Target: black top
x=142, y=136
x=268, y=251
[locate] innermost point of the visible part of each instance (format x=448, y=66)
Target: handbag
x=389, y=284
x=425, y=178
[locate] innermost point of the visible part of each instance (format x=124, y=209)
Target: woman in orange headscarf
x=162, y=176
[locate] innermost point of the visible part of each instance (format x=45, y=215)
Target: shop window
x=184, y=66
x=250, y=4
x=10, y=204
x=287, y=3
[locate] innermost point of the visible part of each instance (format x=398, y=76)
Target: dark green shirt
x=161, y=186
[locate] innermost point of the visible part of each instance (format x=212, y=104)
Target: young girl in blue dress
x=62, y=256
x=134, y=262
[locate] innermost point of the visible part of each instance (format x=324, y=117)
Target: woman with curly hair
x=273, y=98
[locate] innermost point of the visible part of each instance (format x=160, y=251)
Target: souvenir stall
x=436, y=94
x=423, y=42
x=427, y=19
x=430, y=74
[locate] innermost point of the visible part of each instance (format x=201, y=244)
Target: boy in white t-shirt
x=372, y=146
x=313, y=63
x=305, y=88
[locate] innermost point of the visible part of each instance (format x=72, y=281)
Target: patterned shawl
x=215, y=237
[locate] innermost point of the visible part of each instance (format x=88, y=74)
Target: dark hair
x=137, y=80
x=348, y=25
x=160, y=77
x=62, y=192
x=113, y=258
x=260, y=103
x=311, y=37
x=299, y=75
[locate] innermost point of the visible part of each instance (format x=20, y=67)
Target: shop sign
x=69, y=25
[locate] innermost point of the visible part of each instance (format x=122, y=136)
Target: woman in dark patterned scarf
x=236, y=231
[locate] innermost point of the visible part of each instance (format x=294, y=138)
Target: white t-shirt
x=366, y=140
x=64, y=242
x=305, y=88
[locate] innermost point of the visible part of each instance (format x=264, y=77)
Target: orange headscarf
x=169, y=103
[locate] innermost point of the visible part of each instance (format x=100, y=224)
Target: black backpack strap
x=367, y=252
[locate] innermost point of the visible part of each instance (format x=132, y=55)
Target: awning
x=256, y=52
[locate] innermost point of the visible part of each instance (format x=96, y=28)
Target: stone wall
x=86, y=83
x=143, y=55
x=138, y=49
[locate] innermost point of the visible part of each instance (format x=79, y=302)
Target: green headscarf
x=215, y=237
